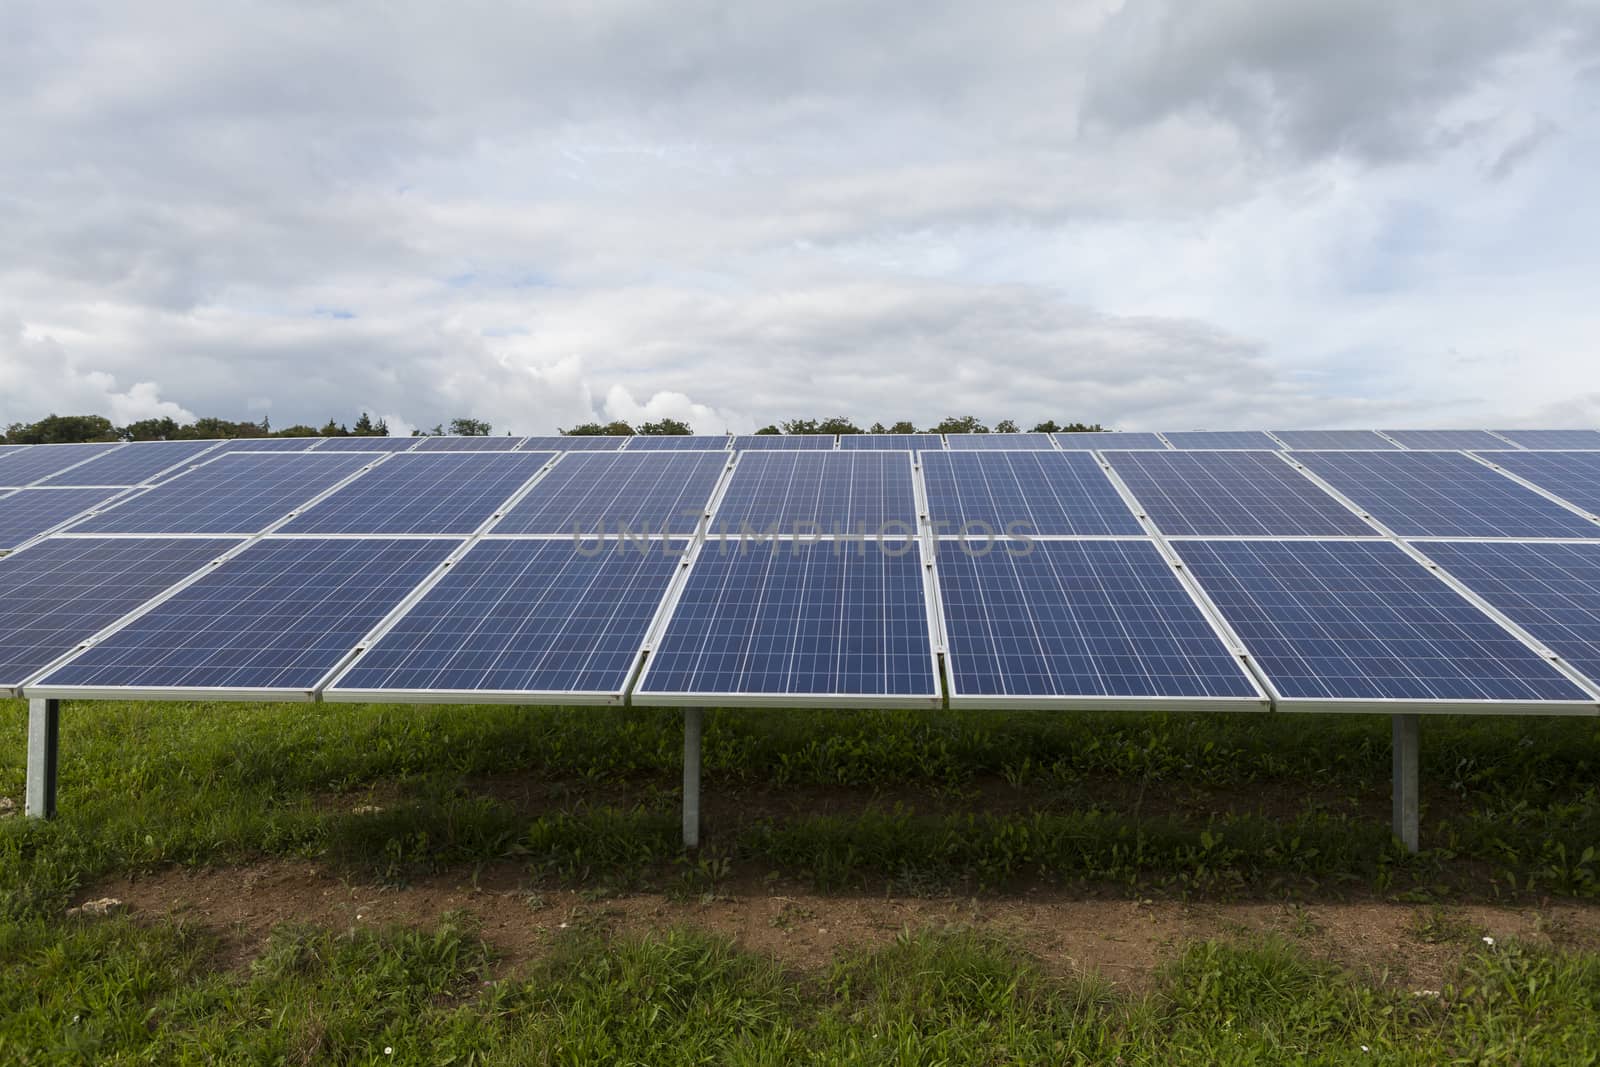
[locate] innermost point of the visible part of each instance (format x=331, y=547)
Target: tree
x=963, y=424
x=1005, y=426
x=766, y=430
x=800, y=426
x=469, y=428
x=334, y=429
x=365, y=427
x=61, y=429
x=300, y=430
x=162, y=429
x=666, y=427
x=837, y=424
x=595, y=429
x=1082, y=427
x=902, y=427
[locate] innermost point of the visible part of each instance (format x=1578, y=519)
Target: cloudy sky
x=1156, y=214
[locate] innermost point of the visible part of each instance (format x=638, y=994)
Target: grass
x=905, y=802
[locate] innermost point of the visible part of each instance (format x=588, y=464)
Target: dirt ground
x=1124, y=941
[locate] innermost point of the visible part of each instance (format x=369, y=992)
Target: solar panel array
x=1393, y=571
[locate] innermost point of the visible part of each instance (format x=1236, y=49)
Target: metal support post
x=44, y=744
x=692, y=729
x=1406, y=780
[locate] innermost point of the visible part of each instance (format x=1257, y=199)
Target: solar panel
x=422, y=493
x=1201, y=439
x=1343, y=440
x=619, y=493
x=1239, y=493
x=1353, y=623
x=517, y=619
x=1074, y=442
x=469, y=444
x=240, y=492
x=990, y=441
x=135, y=464
x=1550, y=589
x=369, y=444
x=64, y=590
x=574, y=443
x=1569, y=439
x=1035, y=493
x=1443, y=494
x=780, y=441
x=783, y=622
x=672, y=442
x=911, y=442
x=1082, y=624
x=847, y=492
x=269, y=623
x=38, y=462
x=1448, y=439
x=27, y=513
x=1573, y=476
x=273, y=444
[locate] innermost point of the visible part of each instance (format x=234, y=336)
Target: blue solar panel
x=911, y=442
x=1240, y=493
x=524, y=618
x=1362, y=621
x=369, y=444
x=619, y=493
x=991, y=441
x=274, y=619
x=28, y=513
x=135, y=464
x=1571, y=439
x=1552, y=590
x=1344, y=440
x=794, y=619
x=1077, y=442
x=1080, y=620
x=780, y=441
x=273, y=444
x=420, y=493
x=1443, y=494
x=1202, y=439
x=846, y=492
x=1573, y=476
x=64, y=590
x=469, y=444
x=1448, y=439
x=239, y=492
x=574, y=443
x=1035, y=493
x=672, y=442
x=38, y=462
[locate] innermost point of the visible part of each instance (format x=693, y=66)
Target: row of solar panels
x=112, y=464
x=1223, y=579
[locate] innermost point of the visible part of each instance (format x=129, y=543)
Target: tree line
x=61, y=429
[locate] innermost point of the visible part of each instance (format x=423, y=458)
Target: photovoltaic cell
x=240, y=492
x=65, y=590
x=369, y=444
x=1201, y=439
x=1465, y=440
x=1362, y=621
x=1573, y=476
x=28, y=513
x=1237, y=493
x=1443, y=494
x=522, y=617
x=1344, y=440
x=781, y=441
x=274, y=619
x=619, y=493
x=1571, y=439
x=1080, y=620
x=667, y=442
x=1551, y=590
x=845, y=492
x=1075, y=442
x=990, y=441
x=423, y=493
x=135, y=464
x=574, y=443
x=791, y=619
x=39, y=462
x=274, y=444
x=469, y=444
x=912, y=442
x=1034, y=493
